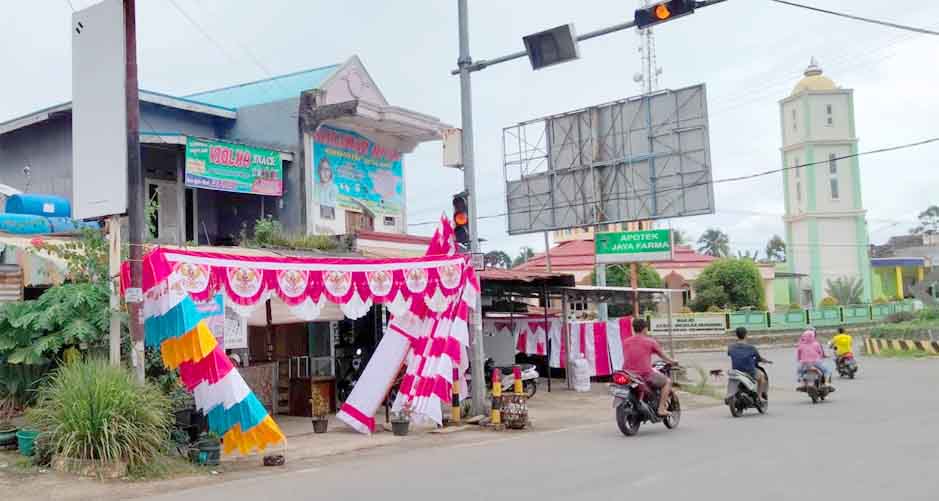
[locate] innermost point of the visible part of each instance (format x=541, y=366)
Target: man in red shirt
x=637, y=354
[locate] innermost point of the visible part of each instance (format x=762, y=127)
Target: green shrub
x=829, y=302
x=269, y=233
x=715, y=309
x=730, y=284
x=795, y=307
x=94, y=411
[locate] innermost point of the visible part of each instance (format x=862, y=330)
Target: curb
x=874, y=346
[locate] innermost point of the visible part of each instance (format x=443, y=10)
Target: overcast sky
x=750, y=53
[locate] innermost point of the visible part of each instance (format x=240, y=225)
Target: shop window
x=327, y=212
x=829, y=117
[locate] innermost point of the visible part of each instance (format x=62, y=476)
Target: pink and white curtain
x=600, y=342
x=530, y=334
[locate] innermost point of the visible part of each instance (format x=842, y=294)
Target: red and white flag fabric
x=601, y=343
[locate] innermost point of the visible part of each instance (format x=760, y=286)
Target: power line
x=744, y=177
x=859, y=18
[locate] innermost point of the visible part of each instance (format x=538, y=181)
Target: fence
x=790, y=320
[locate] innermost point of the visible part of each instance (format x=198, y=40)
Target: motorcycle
x=812, y=385
x=846, y=365
x=742, y=393
x=636, y=402
x=529, y=378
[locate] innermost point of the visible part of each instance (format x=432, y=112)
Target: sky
x=749, y=53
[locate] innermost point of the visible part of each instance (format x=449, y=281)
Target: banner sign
x=352, y=171
x=236, y=330
x=214, y=314
x=633, y=246
x=222, y=166
x=690, y=325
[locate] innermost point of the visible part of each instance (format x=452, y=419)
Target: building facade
x=826, y=228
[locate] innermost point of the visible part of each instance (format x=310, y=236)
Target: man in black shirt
x=744, y=357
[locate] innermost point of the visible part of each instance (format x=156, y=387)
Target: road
x=874, y=439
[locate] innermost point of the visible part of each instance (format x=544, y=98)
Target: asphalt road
x=875, y=438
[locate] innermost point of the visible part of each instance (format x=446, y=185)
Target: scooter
x=742, y=393
x=529, y=378
x=812, y=384
x=846, y=365
x=636, y=402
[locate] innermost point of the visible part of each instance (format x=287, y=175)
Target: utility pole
x=469, y=183
x=135, y=196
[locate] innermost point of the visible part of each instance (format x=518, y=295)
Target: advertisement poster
x=217, y=165
x=236, y=330
x=350, y=170
x=214, y=312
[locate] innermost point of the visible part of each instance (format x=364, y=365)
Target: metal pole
x=565, y=341
x=547, y=253
x=469, y=182
x=135, y=195
x=114, y=269
x=671, y=340
x=547, y=332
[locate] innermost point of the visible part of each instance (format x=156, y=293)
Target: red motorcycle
x=637, y=402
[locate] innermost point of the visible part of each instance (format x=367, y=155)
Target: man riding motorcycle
x=637, y=354
x=843, y=343
x=744, y=357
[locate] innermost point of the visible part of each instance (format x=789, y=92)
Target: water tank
x=24, y=224
x=38, y=205
x=69, y=225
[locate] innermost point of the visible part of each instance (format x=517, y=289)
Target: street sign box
x=633, y=246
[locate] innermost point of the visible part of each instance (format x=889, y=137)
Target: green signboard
x=222, y=166
x=634, y=246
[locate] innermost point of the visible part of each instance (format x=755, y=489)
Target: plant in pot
x=401, y=420
x=208, y=451
x=7, y=428
x=320, y=408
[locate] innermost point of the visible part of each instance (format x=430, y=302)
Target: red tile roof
x=579, y=255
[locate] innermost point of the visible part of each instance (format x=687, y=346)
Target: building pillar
x=920, y=274
x=898, y=272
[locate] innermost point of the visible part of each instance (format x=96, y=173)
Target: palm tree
x=714, y=242
x=847, y=290
x=751, y=255
x=679, y=237
x=776, y=249
x=497, y=259
x=524, y=254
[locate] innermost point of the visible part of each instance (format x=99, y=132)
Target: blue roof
x=883, y=262
x=266, y=91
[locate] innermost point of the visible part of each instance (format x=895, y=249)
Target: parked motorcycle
x=846, y=365
x=529, y=378
x=351, y=377
x=636, y=401
x=743, y=394
x=813, y=386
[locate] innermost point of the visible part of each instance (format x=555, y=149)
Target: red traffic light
x=663, y=11
x=461, y=219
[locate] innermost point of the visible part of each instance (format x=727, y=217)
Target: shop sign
x=700, y=325
x=223, y=166
x=633, y=246
x=351, y=171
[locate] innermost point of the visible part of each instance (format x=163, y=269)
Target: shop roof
x=579, y=255
x=884, y=262
x=267, y=90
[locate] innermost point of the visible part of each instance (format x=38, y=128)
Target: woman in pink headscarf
x=810, y=353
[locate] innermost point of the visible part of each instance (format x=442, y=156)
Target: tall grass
x=94, y=411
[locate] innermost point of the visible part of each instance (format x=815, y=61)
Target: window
x=794, y=121
x=833, y=175
x=829, y=118
x=389, y=221
x=798, y=191
x=327, y=212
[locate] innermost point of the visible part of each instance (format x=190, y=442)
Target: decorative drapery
x=419, y=291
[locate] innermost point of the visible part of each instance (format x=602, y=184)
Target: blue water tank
x=69, y=225
x=38, y=205
x=24, y=224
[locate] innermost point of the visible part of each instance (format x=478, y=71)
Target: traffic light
x=663, y=11
x=461, y=219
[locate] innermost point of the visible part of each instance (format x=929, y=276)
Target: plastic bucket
x=25, y=440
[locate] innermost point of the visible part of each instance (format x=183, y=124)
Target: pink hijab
x=809, y=350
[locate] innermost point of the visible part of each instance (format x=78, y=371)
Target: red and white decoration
x=600, y=342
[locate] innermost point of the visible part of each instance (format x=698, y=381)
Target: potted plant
x=320, y=408
x=208, y=450
x=7, y=428
x=401, y=420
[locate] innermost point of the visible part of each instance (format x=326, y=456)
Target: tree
x=928, y=222
x=620, y=276
x=679, y=237
x=846, y=290
x=524, y=254
x=714, y=242
x=729, y=284
x=750, y=255
x=776, y=249
x=497, y=259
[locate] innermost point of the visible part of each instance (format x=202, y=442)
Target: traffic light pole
x=465, y=67
x=469, y=180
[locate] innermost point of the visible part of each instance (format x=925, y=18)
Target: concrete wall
x=47, y=148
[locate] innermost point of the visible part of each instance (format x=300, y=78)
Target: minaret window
x=794, y=121
x=829, y=117
x=833, y=175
